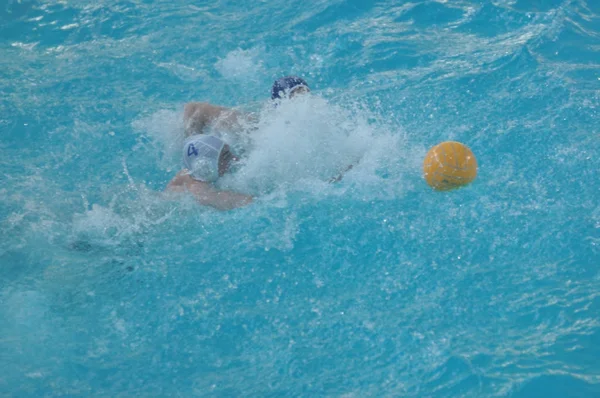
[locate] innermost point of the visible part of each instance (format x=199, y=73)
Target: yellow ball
x=449, y=165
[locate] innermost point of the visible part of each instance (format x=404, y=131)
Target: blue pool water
x=373, y=287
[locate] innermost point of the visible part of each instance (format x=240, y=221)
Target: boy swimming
x=207, y=157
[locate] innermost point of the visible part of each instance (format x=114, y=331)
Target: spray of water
x=301, y=144
x=305, y=142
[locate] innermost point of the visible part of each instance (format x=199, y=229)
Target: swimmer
x=207, y=158
x=199, y=116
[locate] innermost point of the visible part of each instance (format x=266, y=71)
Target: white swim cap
x=201, y=157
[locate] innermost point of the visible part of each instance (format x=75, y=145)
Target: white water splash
x=241, y=65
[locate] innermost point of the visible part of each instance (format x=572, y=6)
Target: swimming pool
x=375, y=286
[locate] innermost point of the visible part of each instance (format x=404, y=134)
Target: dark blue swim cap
x=286, y=84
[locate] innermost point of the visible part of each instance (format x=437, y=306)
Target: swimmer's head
x=207, y=157
x=288, y=87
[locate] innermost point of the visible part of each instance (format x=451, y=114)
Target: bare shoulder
x=206, y=194
x=198, y=115
x=182, y=181
x=202, y=110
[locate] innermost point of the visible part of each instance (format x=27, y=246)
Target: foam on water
x=308, y=140
x=241, y=65
x=164, y=129
x=299, y=144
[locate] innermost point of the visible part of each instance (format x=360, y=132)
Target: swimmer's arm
x=197, y=116
x=206, y=194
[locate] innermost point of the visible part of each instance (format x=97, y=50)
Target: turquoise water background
x=373, y=287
